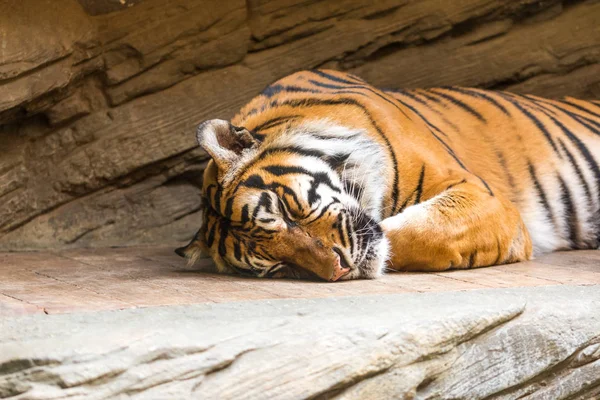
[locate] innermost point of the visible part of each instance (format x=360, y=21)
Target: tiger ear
x=224, y=141
x=193, y=251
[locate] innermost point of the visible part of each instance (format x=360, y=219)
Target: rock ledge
x=541, y=343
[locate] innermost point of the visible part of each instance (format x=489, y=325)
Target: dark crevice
x=460, y=29
x=127, y=180
x=339, y=389
x=289, y=39
x=518, y=77
x=193, y=178
x=88, y=231
x=486, y=39
x=34, y=70
x=383, y=13
x=549, y=373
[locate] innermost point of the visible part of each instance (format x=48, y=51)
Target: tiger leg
x=462, y=227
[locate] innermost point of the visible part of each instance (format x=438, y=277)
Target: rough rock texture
x=541, y=343
x=100, y=98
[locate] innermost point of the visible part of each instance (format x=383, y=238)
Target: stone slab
x=534, y=343
x=78, y=280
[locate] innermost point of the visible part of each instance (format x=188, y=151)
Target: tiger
x=324, y=176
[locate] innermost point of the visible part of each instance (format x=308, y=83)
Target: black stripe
x=211, y=234
x=352, y=102
x=340, y=228
x=217, y=200
x=293, y=149
x=245, y=214
x=354, y=86
x=539, y=102
x=472, y=259
x=256, y=232
x=272, y=90
x=274, y=122
x=581, y=147
x=460, y=103
x=570, y=212
x=356, y=78
x=416, y=194
x=419, y=189
x=425, y=93
x=585, y=121
x=578, y=172
x=223, y=232
x=424, y=103
x=449, y=150
x=432, y=127
x=580, y=108
x=261, y=156
x=209, y=189
x=487, y=187
x=237, y=250
x=256, y=182
x=354, y=189
x=257, y=136
x=350, y=239
x=263, y=201
x=333, y=78
x=405, y=203
x=319, y=177
x=266, y=255
x=588, y=123
x=456, y=184
x=504, y=165
x=540, y=191
x=479, y=95
x=589, y=158
x=324, y=210
x=533, y=119
x=228, y=208
x=333, y=161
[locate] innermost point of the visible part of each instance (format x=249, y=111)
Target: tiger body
x=323, y=174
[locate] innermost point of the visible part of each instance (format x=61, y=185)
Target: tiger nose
x=339, y=270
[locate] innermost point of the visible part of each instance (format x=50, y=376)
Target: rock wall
x=99, y=99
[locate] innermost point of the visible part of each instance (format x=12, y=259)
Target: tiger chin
x=325, y=176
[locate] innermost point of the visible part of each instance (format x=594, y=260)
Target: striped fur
x=325, y=175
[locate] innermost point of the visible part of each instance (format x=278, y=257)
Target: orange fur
x=462, y=167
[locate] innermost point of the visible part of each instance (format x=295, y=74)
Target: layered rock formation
x=100, y=99
x=500, y=344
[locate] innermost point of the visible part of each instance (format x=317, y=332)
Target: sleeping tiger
x=323, y=175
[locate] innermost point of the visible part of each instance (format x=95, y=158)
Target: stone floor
x=120, y=278
x=162, y=330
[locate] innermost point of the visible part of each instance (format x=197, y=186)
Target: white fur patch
x=365, y=165
x=415, y=216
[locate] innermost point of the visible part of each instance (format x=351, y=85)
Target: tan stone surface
x=77, y=280
x=100, y=99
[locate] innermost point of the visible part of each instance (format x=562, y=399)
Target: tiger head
x=294, y=204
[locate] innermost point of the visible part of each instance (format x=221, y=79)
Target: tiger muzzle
x=315, y=256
